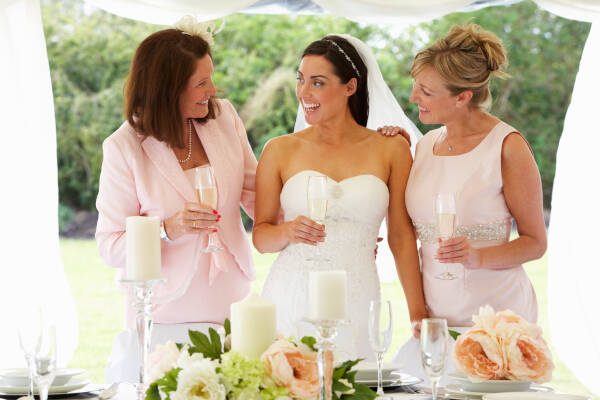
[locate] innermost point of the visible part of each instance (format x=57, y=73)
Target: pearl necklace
x=189, y=143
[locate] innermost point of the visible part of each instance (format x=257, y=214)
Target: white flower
x=191, y=26
x=198, y=379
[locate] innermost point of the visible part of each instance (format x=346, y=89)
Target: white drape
x=31, y=268
x=28, y=162
x=574, y=269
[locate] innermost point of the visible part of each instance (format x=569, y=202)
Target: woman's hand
x=304, y=230
x=194, y=218
x=458, y=250
x=389, y=130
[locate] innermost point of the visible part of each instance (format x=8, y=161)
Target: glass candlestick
x=142, y=305
x=327, y=330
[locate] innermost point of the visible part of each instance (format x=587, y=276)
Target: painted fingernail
x=214, y=231
x=215, y=212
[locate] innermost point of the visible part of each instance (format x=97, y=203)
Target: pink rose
x=162, y=360
x=503, y=346
x=294, y=369
x=479, y=355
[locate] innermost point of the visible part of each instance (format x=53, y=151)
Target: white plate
x=384, y=382
x=533, y=396
x=490, y=386
x=20, y=376
x=73, y=384
x=455, y=389
x=367, y=371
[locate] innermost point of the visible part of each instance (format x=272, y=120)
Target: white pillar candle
x=253, y=325
x=327, y=295
x=143, y=248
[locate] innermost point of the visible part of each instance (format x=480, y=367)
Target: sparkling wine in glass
x=45, y=358
x=445, y=223
x=317, y=204
x=380, y=335
x=434, y=349
x=206, y=191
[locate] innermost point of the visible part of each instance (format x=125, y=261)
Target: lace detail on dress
x=497, y=230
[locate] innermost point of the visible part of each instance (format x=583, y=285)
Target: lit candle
x=253, y=325
x=327, y=295
x=143, y=248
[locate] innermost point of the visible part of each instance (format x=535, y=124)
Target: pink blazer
x=141, y=176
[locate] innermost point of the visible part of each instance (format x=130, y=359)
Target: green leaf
x=152, y=392
x=310, y=342
x=339, y=372
x=454, y=334
x=361, y=392
x=227, y=326
x=216, y=342
x=210, y=348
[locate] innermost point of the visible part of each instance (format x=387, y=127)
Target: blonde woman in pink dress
x=490, y=169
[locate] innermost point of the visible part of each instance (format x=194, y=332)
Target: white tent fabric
x=574, y=270
x=31, y=265
x=28, y=162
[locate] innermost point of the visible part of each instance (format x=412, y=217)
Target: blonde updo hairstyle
x=466, y=59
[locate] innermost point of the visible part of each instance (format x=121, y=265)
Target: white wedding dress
x=356, y=207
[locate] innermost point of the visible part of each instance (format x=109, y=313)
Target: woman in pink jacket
x=174, y=124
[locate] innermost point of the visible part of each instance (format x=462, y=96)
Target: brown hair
x=347, y=64
x=159, y=73
x=466, y=59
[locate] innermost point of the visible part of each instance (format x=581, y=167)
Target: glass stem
x=379, y=374
x=30, y=367
x=434, y=387
x=210, y=241
x=43, y=391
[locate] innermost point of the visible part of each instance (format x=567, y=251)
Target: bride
x=341, y=91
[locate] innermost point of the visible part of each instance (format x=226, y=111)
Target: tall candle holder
x=143, y=324
x=327, y=330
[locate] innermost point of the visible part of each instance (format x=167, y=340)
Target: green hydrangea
x=243, y=377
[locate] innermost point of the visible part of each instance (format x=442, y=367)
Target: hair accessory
x=345, y=55
x=188, y=25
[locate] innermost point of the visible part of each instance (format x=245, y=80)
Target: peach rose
x=295, y=369
x=479, y=355
x=528, y=358
x=162, y=360
x=524, y=353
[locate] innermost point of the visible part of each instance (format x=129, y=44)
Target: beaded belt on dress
x=497, y=230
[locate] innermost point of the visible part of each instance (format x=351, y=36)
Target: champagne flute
x=445, y=223
x=317, y=204
x=45, y=358
x=380, y=335
x=206, y=191
x=434, y=348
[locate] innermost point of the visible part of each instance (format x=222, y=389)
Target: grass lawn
x=100, y=309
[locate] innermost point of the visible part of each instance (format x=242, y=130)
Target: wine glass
x=28, y=327
x=206, y=191
x=445, y=221
x=45, y=358
x=380, y=335
x=317, y=204
x=434, y=348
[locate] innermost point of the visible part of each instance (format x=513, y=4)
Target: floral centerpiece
x=208, y=369
x=503, y=345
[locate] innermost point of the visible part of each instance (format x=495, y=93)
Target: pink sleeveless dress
x=482, y=216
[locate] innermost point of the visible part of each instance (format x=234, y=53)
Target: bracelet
x=163, y=232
